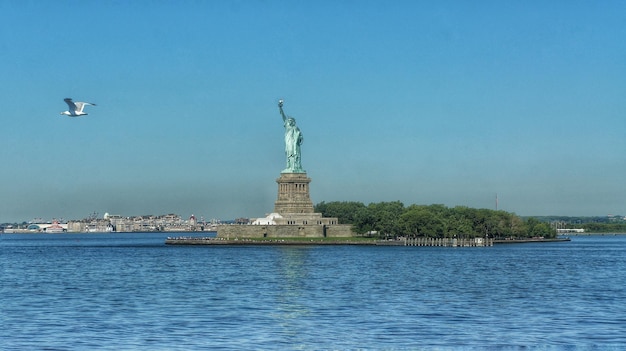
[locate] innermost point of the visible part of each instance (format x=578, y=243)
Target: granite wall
x=284, y=231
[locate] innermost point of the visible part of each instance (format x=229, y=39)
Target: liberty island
x=295, y=222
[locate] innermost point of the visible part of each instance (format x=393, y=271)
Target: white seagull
x=76, y=108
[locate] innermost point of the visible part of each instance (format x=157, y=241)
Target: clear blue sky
x=426, y=102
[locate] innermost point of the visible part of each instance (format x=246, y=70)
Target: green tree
x=364, y=221
x=344, y=211
x=535, y=228
x=422, y=221
x=386, y=217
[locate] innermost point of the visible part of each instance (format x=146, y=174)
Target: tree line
x=393, y=219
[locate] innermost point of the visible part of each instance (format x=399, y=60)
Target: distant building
x=570, y=230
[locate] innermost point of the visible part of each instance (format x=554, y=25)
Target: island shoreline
x=210, y=241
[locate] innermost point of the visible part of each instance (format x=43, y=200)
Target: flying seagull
x=76, y=108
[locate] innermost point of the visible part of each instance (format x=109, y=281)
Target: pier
x=451, y=242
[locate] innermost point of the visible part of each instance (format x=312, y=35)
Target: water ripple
x=113, y=292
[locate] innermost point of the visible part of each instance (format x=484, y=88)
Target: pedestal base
x=293, y=194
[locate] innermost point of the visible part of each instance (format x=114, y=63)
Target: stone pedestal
x=293, y=194
x=296, y=217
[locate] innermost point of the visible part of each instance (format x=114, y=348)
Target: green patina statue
x=293, y=140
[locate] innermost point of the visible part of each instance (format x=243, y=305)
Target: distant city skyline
x=420, y=102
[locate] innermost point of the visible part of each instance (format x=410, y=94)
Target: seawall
x=284, y=231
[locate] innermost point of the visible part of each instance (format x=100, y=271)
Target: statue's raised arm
x=280, y=107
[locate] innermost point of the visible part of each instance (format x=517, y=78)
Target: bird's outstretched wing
x=80, y=105
x=70, y=103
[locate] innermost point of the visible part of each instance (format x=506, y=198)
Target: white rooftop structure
x=268, y=220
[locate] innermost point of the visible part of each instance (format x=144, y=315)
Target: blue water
x=130, y=291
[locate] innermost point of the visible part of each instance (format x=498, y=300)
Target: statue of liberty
x=293, y=140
